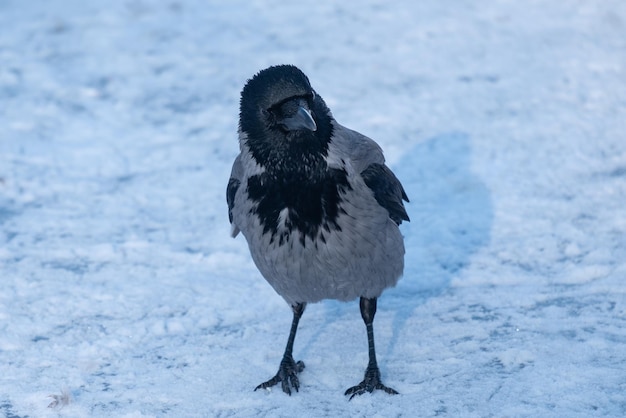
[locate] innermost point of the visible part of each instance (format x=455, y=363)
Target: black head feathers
x=272, y=86
x=269, y=129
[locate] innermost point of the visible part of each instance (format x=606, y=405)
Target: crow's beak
x=302, y=119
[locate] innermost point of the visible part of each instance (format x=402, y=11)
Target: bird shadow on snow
x=451, y=217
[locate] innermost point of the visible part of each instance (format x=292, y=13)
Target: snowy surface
x=120, y=285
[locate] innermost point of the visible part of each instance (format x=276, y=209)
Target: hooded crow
x=317, y=205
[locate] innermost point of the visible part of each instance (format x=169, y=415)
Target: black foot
x=370, y=383
x=287, y=375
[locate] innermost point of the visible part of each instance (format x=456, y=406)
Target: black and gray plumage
x=317, y=205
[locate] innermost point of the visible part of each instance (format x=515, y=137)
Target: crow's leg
x=372, y=380
x=288, y=369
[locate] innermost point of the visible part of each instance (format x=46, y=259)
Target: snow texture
x=123, y=295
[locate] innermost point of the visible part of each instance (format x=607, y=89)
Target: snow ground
x=505, y=120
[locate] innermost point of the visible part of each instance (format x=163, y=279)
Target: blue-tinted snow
x=121, y=287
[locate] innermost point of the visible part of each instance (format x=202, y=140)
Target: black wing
x=231, y=190
x=387, y=189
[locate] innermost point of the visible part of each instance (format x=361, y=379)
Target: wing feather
x=231, y=191
x=387, y=189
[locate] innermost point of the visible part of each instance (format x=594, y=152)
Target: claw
x=363, y=387
x=268, y=384
x=287, y=375
x=370, y=383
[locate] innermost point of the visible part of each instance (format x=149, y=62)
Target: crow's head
x=280, y=113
